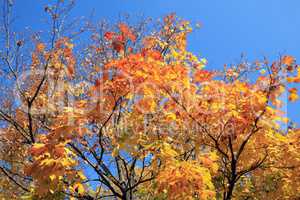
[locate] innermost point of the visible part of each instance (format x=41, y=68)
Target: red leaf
x=109, y=35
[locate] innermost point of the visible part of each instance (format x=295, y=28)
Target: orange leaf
x=127, y=32
x=38, y=149
x=288, y=60
x=40, y=47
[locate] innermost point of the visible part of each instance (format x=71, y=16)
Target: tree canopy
x=131, y=113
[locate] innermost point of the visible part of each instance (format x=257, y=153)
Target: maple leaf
x=109, y=35
x=293, y=94
x=203, y=75
x=40, y=47
x=127, y=32
x=78, y=188
x=288, y=60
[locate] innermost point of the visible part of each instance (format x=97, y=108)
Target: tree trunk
x=228, y=195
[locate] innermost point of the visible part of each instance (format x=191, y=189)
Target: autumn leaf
x=109, y=35
x=293, y=94
x=78, y=188
x=288, y=60
x=40, y=47
x=127, y=32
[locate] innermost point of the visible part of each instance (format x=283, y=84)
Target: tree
x=134, y=115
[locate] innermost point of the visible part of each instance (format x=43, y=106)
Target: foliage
x=135, y=115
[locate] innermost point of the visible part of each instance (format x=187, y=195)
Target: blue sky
x=230, y=27
x=256, y=28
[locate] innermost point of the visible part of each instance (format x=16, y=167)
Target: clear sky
x=256, y=28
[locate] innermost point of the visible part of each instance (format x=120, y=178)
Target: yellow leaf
x=52, y=177
x=170, y=117
x=263, y=71
x=293, y=97
x=293, y=94
x=78, y=188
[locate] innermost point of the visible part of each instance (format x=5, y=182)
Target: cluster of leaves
x=136, y=116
